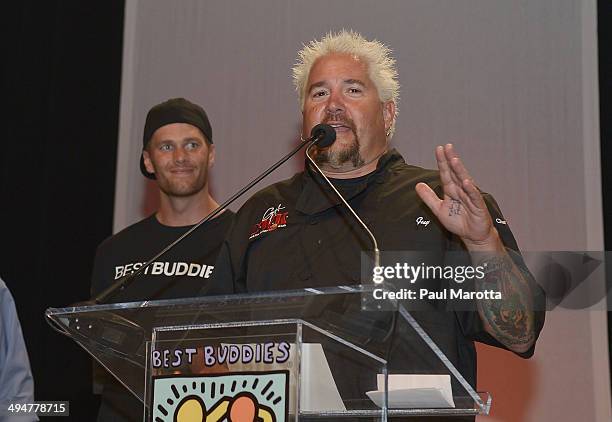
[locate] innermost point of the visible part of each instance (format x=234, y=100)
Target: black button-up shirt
x=296, y=234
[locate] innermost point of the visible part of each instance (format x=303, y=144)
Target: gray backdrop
x=512, y=83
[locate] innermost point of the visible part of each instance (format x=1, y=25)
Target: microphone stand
x=392, y=324
x=352, y=211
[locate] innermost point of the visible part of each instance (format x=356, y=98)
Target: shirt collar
x=317, y=196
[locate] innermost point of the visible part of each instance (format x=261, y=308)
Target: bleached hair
x=377, y=56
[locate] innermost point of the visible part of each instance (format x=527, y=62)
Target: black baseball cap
x=174, y=110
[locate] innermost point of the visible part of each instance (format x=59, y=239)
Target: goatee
x=338, y=158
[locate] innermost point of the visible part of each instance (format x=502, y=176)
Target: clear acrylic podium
x=312, y=354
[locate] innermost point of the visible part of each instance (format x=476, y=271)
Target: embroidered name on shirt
x=420, y=221
x=272, y=219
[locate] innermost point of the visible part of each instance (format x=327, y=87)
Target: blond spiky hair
x=377, y=56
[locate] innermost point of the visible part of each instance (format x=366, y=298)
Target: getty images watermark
x=407, y=273
x=458, y=281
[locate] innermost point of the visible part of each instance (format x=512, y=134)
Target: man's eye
x=319, y=94
x=354, y=90
x=193, y=145
x=165, y=147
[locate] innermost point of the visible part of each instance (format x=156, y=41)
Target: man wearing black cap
x=177, y=153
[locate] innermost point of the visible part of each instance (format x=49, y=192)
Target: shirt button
x=319, y=242
x=314, y=221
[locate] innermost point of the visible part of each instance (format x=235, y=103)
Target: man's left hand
x=462, y=210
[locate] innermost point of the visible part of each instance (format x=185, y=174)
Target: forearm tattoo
x=509, y=320
x=454, y=208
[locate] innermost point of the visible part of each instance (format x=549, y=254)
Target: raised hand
x=462, y=210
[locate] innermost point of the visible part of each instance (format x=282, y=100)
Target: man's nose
x=180, y=155
x=335, y=103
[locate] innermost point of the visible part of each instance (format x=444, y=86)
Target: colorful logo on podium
x=229, y=397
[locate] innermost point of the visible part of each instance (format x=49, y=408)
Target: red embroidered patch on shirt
x=272, y=219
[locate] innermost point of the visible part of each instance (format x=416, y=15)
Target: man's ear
x=147, y=161
x=388, y=115
x=211, y=155
x=303, y=135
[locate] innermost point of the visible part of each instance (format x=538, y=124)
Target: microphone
x=325, y=133
x=339, y=195
x=322, y=134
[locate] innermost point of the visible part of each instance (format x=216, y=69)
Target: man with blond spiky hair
x=352, y=84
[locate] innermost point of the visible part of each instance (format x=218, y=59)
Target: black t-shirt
x=295, y=234
x=184, y=271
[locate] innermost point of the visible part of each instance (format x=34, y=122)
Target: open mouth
x=340, y=127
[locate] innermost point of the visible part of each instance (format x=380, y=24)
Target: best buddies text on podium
x=312, y=354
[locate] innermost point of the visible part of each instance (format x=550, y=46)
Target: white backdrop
x=512, y=83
